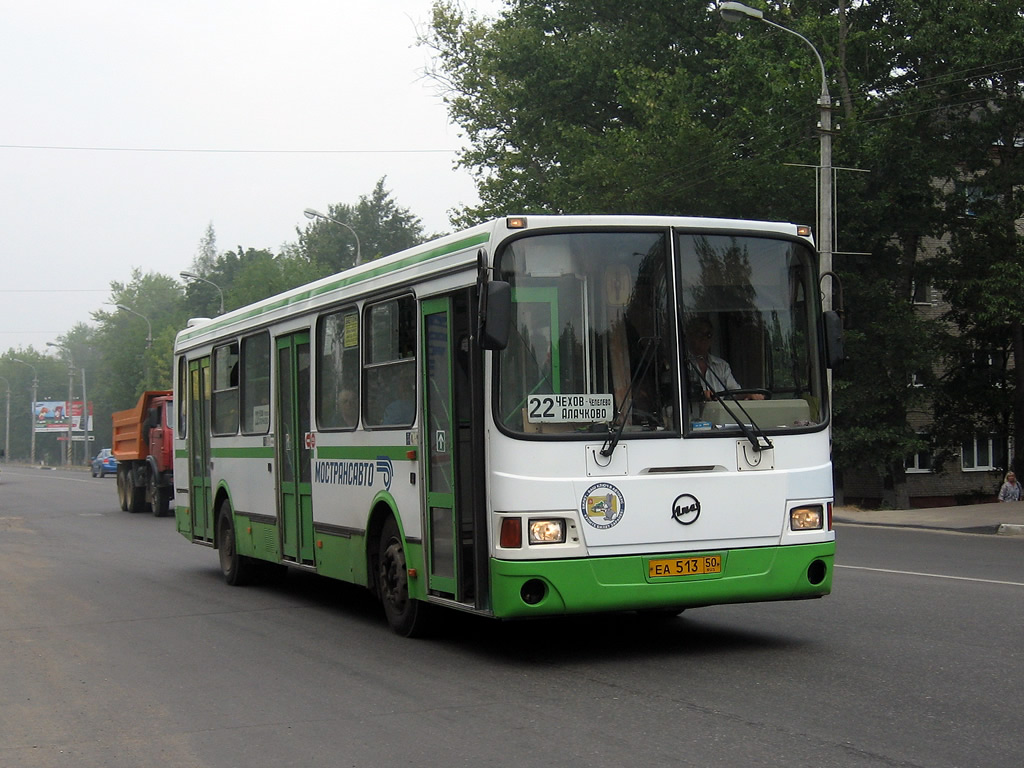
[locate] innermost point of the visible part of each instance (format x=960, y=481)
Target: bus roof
x=420, y=261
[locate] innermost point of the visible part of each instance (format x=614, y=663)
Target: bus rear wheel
x=237, y=569
x=407, y=617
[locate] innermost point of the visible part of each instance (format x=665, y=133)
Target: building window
x=986, y=367
x=921, y=293
x=983, y=453
x=919, y=462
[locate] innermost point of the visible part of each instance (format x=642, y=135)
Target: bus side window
x=390, y=363
x=337, y=370
x=255, y=384
x=225, y=389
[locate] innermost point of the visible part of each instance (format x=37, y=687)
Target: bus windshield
x=634, y=332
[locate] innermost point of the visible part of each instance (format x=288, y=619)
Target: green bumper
x=550, y=587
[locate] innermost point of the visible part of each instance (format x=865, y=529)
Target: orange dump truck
x=144, y=448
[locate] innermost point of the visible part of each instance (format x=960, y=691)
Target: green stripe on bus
x=341, y=282
x=260, y=452
x=363, y=452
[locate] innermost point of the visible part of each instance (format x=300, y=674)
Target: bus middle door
x=294, y=448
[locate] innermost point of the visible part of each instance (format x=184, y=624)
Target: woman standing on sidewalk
x=1011, y=488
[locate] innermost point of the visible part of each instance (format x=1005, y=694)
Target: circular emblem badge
x=685, y=509
x=603, y=505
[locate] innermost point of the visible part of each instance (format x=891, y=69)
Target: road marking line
x=932, y=575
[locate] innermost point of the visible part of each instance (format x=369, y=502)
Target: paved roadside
x=1006, y=519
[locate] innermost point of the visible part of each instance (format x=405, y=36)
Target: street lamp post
x=71, y=397
x=731, y=11
x=310, y=213
x=7, y=423
x=149, y=326
x=32, y=418
x=194, y=276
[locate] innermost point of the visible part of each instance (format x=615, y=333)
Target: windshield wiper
x=615, y=433
x=750, y=430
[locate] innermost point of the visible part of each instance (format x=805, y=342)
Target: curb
x=1010, y=529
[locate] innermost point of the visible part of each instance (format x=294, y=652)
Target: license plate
x=684, y=566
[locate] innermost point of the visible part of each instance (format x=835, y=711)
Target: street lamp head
x=188, y=275
x=731, y=11
x=310, y=213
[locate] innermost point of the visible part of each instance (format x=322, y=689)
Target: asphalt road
x=121, y=646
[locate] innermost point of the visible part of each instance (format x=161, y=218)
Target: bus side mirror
x=496, y=316
x=834, y=352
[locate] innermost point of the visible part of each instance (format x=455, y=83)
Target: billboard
x=53, y=415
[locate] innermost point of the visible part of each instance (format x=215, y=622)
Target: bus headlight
x=806, y=518
x=547, y=531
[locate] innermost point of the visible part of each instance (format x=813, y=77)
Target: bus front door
x=200, y=495
x=294, y=446
x=440, y=447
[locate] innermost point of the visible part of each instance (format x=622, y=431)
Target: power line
x=201, y=150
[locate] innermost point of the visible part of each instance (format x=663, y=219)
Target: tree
x=51, y=375
x=126, y=363
x=605, y=106
x=382, y=226
x=656, y=107
x=981, y=267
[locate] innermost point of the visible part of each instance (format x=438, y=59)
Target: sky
x=127, y=127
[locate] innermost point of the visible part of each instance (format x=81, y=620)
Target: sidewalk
x=1006, y=518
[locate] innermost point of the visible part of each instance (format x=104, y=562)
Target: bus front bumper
x=622, y=583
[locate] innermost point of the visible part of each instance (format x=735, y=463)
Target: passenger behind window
x=401, y=409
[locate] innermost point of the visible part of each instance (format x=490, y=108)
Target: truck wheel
x=159, y=498
x=406, y=616
x=137, y=498
x=238, y=569
x=122, y=489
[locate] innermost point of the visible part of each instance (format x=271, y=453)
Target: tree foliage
x=382, y=226
x=596, y=106
x=127, y=351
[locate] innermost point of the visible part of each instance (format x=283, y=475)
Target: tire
x=94, y=471
x=136, y=498
x=122, y=489
x=407, y=617
x=238, y=569
x=160, y=497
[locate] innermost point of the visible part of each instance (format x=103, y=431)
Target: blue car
x=103, y=463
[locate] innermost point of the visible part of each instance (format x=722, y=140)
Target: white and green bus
x=537, y=416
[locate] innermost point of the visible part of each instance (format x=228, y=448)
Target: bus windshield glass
x=601, y=341
x=749, y=307
x=591, y=344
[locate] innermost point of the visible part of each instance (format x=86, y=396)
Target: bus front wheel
x=407, y=617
